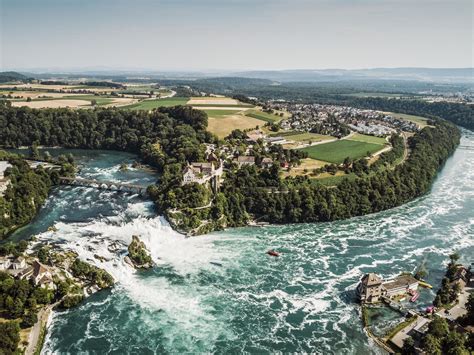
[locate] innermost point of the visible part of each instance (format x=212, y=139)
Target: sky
x=207, y=35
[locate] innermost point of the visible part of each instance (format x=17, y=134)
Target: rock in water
x=138, y=254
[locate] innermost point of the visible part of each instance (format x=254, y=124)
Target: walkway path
x=35, y=332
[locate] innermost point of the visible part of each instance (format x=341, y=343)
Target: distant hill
x=448, y=75
x=11, y=76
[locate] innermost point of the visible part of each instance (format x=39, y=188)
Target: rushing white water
x=300, y=302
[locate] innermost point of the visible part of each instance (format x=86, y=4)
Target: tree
x=438, y=327
x=408, y=347
x=432, y=345
x=93, y=102
x=9, y=337
x=29, y=320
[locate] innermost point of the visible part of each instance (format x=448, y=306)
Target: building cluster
x=372, y=288
x=326, y=119
x=18, y=267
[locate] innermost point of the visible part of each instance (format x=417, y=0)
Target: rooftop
x=400, y=281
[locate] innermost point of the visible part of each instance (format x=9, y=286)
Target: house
x=19, y=263
x=4, y=165
x=267, y=162
x=399, y=285
x=201, y=173
x=245, y=160
x=5, y=263
x=41, y=275
x=370, y=288
x=461, y=278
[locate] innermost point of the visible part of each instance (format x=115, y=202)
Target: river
x=303, y=301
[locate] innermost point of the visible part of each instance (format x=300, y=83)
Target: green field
x=336, y=152
x=217, y=113
x=151, y=104
x=99, y=99
x=421, y=121
x=306, y=136
x=263, y=116
x=368, y=139
x=223, y=105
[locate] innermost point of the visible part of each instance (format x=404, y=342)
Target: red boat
x=273, y=253
x=415, y=297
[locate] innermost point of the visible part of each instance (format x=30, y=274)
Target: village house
x=4, y=165
x=370, y=288
x=461, y=278
x=42, y=276
x=245, y=160
x=5, y=263
x=19, y=263
x=400, y=285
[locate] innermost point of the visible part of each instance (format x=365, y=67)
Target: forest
x=26, y=192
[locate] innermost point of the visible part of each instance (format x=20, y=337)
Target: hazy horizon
x=238, y=35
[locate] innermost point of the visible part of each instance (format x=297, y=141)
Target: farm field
x=221, y=126
x=100, y=100
x=336, y=152
x=218, y=113
x=306, y=137
x=213, y=101
x=421, y=121
x=267, y=117
x=368, y=139
x=154, y=103
x=51, y=103
x=307, y=164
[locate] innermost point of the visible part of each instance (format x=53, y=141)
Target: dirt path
x=35, y=332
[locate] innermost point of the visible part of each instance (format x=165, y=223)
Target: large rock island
x=138, y=255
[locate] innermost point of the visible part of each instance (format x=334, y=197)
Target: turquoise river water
x=303, y=301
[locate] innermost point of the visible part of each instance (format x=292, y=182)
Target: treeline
x=164, y=136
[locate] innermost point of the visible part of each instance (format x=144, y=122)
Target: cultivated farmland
x=154, y=103
x=336, y=152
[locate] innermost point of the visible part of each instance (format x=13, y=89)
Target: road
x=35, y=332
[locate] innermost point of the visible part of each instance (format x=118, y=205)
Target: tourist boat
x=414, y=297
x=215, y=263
x=273, y=253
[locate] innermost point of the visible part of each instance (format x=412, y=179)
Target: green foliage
x=138, y=253
x=91, y=273
x=9, y=337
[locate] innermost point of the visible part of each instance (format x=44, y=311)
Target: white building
x=5, y=262
x=4, y=165
x=201, y=173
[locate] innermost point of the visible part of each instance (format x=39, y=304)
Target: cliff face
x=138, y=255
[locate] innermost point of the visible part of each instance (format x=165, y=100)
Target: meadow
x=336, y=152
x=368, y=139
x=155, y=103
x=263, y=116
x=421, y=121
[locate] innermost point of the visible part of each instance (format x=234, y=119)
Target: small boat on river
x=273, y=253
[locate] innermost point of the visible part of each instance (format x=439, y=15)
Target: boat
x=273, y=253
x=424, y=284
x=414, y=297
x=215, y=263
